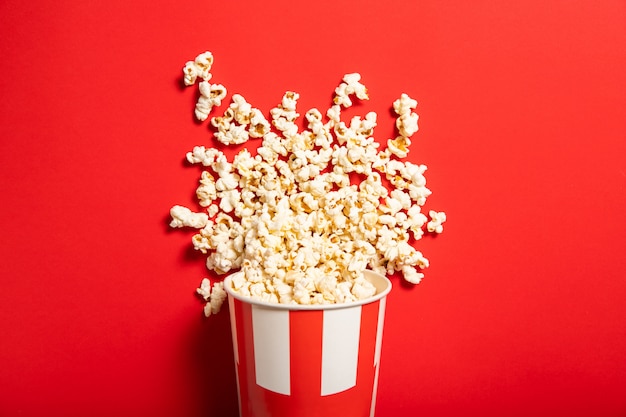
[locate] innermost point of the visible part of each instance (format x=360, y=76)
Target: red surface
x=523, y=128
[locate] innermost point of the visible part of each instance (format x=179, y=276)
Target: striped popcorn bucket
x=308, y=361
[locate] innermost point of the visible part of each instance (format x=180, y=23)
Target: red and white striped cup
x=308, y=361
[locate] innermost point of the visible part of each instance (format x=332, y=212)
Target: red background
x=523, y=128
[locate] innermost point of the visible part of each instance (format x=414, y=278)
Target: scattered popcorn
x=399, y=146
x=350, y=85
x=203, y=63
x=205, y=289
x=200, y=67
x=435, y=224
x=190, y=73
x=184, y=217
x=411, y=274
x=214, y=296
x=293, y=218
x=210, y=95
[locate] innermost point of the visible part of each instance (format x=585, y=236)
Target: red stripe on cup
x=306, y=349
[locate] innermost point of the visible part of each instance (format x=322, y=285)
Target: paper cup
x=308, y=361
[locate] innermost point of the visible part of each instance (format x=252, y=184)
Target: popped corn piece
x=404, y=104
x=407, y=124
x=355, y=87
x=435, y=224
x=190, y=73
x=229, y=199
x=387, y=220
x=233, y=135
x=206, y=191
x=223, y=122
x=343, y=292
x=285, y=114
x=259, y=126
x=221, y=165
x=314, y=117
x=403, y=198
x=399, y=146
x=414, y=173
x=282, y=290
x=342, y=97
x=210, y=95
x=334, y=113
x=216, y=301
x=366, y=126
x=289, y=103
x=205, y=289
x=241, y=109
x=289, y=129
x=326, y=285
x=257, y=290
x=201, y=240
x=302, y=291
x=228, y=181
x=232, y=127
x=203, y=63
x=184, y=217
x=350, y=85
x=224, y=259
x=418, y=194
x=201, y=155
x=391, y=205
x=239, y=281
x=213, y=209
x=411, y=274
x=407, y=120
x=362, y=289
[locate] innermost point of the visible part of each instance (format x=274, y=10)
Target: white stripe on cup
x=270, y=328
x=340, y=349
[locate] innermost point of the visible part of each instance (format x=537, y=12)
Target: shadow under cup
x=308, y=360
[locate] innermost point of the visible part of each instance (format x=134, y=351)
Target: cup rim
x=383, y=288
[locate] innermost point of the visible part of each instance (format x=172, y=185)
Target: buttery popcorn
x=210, y=95
x=199, y=67
x=183, y=217
x=435, y=224
x=293, y=217
x=213, y=295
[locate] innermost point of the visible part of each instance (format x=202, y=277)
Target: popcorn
x=207, y=190
x=294, y=218
x=404, y=104
x=214, y=296
x=399, y=146
x=201, y=155
x=210, y=95
x=435, y=224
x=407, y=122
x=203, y=63
x=348, y=87
x=184, y=217
x=190, y=72
x=411, y=274
x=200, y=67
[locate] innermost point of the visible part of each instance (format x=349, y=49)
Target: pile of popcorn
x=305, y=215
